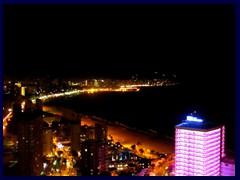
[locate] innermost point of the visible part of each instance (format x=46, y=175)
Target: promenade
x=120, y=134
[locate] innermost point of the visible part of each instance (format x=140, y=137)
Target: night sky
x=195, y=42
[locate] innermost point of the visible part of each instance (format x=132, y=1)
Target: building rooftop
x=195, y=123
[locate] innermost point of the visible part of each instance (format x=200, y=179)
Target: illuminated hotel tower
x=199, y=148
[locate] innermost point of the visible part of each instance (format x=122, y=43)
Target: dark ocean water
x=156, y=108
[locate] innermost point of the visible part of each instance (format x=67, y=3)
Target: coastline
x=127, y=136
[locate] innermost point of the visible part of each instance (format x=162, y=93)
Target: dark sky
x=196, y=42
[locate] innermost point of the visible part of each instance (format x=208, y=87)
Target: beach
x=121, y=134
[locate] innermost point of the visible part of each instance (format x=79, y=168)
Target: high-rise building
x=94, y=151
x=75, y=134
x=101, y=138
x=47, y=141
x=87, y=132
x=30, y=147
x=39, y=105
x=199, y=147
x=100, y=132
x=90, y=133
x=89, y=161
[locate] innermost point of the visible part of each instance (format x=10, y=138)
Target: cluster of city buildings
x=47, y=85
x=32, y=143
x=40, y=143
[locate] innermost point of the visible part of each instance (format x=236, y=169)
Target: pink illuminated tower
x=199, y=147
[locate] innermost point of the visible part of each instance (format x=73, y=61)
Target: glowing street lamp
x=59, y=145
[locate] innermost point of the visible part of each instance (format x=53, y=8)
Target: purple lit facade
x=199, y=148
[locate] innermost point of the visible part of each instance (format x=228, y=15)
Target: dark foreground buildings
x=29, y=135
x=94, y=151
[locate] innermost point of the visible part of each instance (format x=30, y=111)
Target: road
x=161, y=170
x=5, y=122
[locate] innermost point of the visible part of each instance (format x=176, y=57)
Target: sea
x=155, y=109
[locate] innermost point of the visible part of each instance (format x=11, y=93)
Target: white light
x=59, y=145
x=191, y=118
x=44, y=165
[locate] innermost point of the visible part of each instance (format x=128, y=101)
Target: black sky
x=196, y=42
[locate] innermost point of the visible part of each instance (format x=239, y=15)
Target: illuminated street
x=121, y=134
x=6, y=119
x=128, y=138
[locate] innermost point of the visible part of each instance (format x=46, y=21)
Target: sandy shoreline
x=125, y=136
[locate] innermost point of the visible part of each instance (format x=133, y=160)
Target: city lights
x=194, y=119
x=59, y=145
x=109, y=90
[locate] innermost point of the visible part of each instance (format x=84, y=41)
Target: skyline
x=119, y=41
x=194, y=42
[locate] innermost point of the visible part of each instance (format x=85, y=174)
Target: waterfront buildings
x=199, y=148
